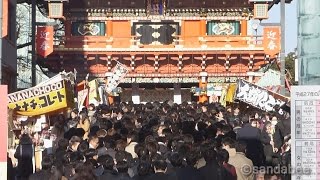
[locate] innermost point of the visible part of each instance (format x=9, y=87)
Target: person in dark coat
x=250, y=134
x=144, y=170
x=107, y=163
x=72, y=122
x=10, y=170
x=235, y=116
x=45, y=172
x=223, y=159
x=160, y=168
x=267, y=142
x=282, y=129
x=189, y=172
x=110, y=174
x=212, y=170
x=24, y=154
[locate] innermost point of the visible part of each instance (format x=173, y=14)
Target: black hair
x=160, y=164
x=241, y=146
x=208, y=153
x=75, y=157
x=229, y=141
x=74, y=139
x=226, y=128
x=133, y=136
x=192, y=157
x=223, y=156
x=90, y=153
x=47, y=163
x=122, y=166
x=106, y=161
x=83, y=146
x=176, y=160
x=122, y=156
x=63, y=144
x=25, y=139
x=143, y=168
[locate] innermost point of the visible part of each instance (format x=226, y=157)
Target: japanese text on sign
x=39, y=100
x=271, y=40
x=119, y=72
x=258, y=96
x=305, y=128
x=45, y=40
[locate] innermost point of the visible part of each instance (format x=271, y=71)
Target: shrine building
x=169, y=46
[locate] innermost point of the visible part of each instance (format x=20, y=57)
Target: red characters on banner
x=44, y=40
x=271, y=40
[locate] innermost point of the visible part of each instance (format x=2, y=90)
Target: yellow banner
x=39, y=99
x=230, y=92
x=93, y=93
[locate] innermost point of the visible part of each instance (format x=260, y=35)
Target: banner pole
x=33, y=42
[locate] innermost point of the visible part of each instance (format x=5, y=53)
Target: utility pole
x=33, y=42
x=283, y=47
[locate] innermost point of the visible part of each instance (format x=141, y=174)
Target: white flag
x=119, y=72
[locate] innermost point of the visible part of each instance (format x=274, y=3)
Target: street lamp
x=255, y=28
x=56, y=8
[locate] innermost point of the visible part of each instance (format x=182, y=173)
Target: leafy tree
x=290, y=69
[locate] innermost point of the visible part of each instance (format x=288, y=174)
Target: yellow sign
x=39, y=99
x=93, y=91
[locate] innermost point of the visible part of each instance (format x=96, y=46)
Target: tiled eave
x=114, y=10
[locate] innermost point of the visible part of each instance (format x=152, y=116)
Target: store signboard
x=39, y=100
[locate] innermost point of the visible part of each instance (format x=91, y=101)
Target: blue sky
x=291, y=23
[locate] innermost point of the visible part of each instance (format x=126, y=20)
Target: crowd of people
x=197, y=141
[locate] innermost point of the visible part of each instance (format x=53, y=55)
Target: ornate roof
x=270, y=78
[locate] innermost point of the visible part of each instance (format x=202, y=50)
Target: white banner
x=119, y=72
x=259, y=97
x=82, y=95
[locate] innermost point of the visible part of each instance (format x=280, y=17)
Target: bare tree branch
x=24, y=45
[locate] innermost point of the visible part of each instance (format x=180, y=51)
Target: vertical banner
x=210, y=89
x=119, y=72
x=82, y=94
x=94, y=96
x=271, y=40
x=44, y=40
x=3, y=131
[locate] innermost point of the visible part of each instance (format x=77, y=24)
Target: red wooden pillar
x=110, y=100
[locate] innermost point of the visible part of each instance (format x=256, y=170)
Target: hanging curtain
x=156, y=33
x=83, y=28
x=223, y=28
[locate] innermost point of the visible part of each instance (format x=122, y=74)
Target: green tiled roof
x=270, y=78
